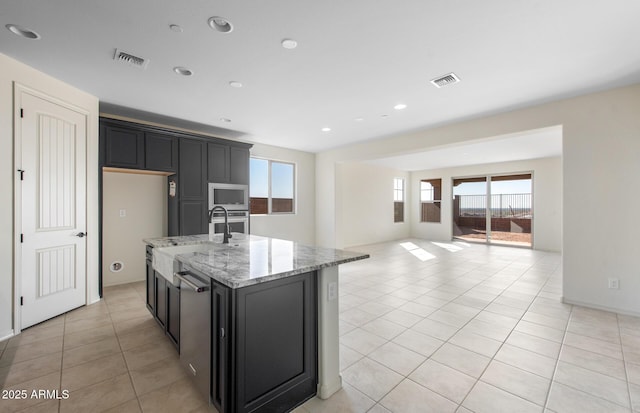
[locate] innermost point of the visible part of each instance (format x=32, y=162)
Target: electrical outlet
x=332, y=291
x=614, y=283
x=123, y=213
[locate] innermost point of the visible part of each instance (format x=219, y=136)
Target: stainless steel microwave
x=230, y=196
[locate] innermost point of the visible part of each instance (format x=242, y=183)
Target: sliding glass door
x=511, y=210
x=495, y=209
x=470, y=208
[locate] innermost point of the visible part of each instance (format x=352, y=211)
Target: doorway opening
x=496, y=209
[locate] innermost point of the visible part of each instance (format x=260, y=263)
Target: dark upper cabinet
x=218, y=162
x=193, y=218
x=193, y=167
x=160, y=152
x=193, y=160
x=239, y=165
x=124, y=148
x=193, y=187
x=136, y=149
x=227, y=164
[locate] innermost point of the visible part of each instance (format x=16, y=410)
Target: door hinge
x=21, y=174
x=21, y=300
x=21, y=113
x=21, y=238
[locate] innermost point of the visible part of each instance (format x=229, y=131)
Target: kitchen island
x=268, y=339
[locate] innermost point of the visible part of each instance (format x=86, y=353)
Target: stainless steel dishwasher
x=195, y=329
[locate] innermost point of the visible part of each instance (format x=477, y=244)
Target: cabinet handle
x=197, y=288
x=221, y=332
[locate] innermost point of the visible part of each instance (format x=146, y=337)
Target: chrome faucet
x=227, y=231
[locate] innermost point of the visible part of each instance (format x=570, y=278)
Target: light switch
x=332, y=292
x=123, y=213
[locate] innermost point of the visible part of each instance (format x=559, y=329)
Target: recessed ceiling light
x=226, y=120
x=220, y=24
x=289, y=44
x=384, y=116
x=182, y=71
x=326, y=129
x=22, y=32
x=359, y=119
x=234, y=83
x=176, y=28
x=400, y=106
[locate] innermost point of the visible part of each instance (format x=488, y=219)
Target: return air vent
x=445, y=80
x=129, y=59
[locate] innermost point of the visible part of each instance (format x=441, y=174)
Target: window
x=272, y=187
x=398, y=200
x=430, y=200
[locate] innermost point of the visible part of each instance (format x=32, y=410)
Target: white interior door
x=52, y=271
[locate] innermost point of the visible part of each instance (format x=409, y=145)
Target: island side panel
x=276, y=344
x=329, y=379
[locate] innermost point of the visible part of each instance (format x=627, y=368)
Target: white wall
x=14, y=71
x=547, y=199
x=600, y=167
x=143, y=197
x=301, y=225
x=366, y=201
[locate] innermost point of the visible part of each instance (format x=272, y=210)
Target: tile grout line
x=624, y=364
x=123, y=357
x=555, y=367
x=460, y=328
x=507, y=338
x=64, y=333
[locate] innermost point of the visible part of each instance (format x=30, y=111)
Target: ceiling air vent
x=129, y=59
x=445, y=80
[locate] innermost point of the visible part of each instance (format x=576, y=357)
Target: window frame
x=434, y=200
x=294, y=202
x=403, y=193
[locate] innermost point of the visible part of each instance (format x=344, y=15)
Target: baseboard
x=6, y=335
x=601, y=307
x=326, y=391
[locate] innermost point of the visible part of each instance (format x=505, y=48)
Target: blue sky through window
x=259, y=175
x=281, y=179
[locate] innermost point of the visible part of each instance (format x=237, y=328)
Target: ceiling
x=354, y=62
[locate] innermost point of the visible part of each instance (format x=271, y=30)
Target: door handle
x=81, y=234
x=182, y=276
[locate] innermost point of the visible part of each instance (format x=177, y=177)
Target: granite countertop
x=252, y=259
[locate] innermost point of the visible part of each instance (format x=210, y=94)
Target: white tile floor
x=425, y=327
x=456, y=327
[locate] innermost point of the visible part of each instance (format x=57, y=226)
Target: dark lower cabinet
x=151, y=284
x=263, y=345
x=219, y=347
x=161, y=300
x=275, y=345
